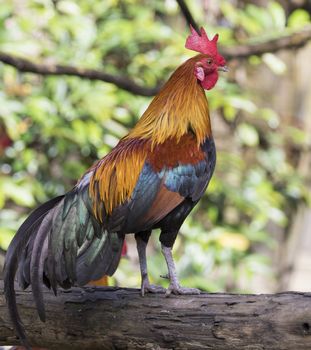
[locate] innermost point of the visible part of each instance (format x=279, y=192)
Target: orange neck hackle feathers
x=180, y=106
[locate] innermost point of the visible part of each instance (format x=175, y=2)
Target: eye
x=209, y=61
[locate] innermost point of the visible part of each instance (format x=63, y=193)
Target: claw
x=178, y=290
x=146, y=287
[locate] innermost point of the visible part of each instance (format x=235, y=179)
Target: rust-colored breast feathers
x=172, y=153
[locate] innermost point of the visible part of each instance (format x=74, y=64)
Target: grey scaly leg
x=174, y=287
x=145, y=284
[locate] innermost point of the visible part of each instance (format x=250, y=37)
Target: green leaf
x=248, y=135
x=278, y=14
x=298, y=19
x=274, y=63
x=6, y=236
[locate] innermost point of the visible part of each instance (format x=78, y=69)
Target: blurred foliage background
x=52, y=128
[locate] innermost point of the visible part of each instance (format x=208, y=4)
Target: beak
x=223, y=68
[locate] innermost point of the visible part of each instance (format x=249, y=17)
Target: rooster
x=152, y=179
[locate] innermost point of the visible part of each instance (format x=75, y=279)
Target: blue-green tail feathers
x=59, y=244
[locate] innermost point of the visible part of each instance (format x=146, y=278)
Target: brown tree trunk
x=113, y=318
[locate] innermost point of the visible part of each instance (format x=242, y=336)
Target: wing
x=149, y=202
x=191, y=178
x=172, y=172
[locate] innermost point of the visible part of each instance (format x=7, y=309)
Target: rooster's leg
x=174, y=286
x=141, y=243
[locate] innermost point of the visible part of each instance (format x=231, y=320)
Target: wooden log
x=118, y=318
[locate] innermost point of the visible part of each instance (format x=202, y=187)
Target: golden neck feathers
x=181, y=106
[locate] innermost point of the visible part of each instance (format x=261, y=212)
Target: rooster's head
x=209, y=62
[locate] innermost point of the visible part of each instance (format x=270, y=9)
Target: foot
x=178, y=290
x=146, y=287
x=174, y=287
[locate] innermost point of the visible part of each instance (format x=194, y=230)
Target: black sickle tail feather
x=37, y=262
x=61, y=243
x=19, y=242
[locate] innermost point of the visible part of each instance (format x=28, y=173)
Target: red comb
x=201, y=43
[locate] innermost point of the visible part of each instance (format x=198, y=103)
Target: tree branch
x=24, y=65
x=291, y=41
x=188, y=15
x=114, y=318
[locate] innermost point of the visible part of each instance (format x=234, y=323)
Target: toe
x=188, y=291
x=156, y=289
x=178, y=290
x=150, y=288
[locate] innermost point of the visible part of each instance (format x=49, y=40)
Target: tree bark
x=115, y=318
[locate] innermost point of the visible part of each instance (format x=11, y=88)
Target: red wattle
x=209, y=81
